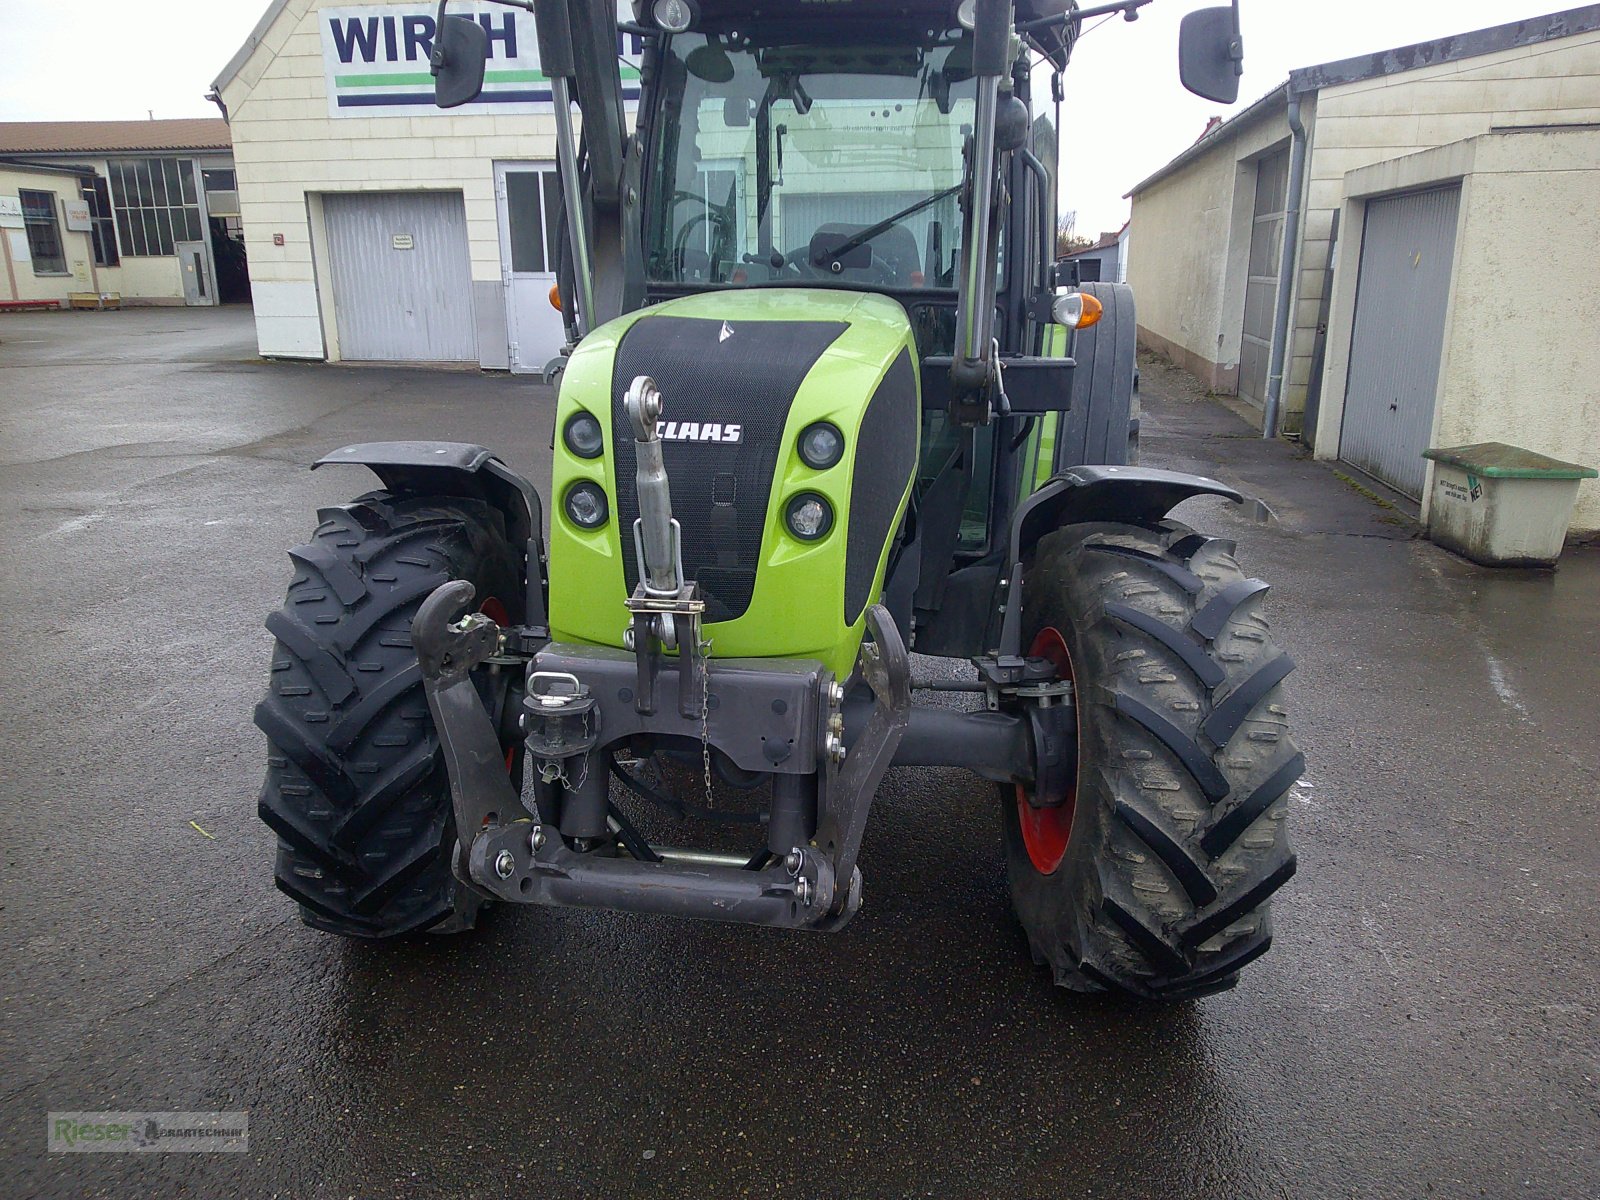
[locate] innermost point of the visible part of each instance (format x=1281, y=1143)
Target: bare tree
x=1067, y=239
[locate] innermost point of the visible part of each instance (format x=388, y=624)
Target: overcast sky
x=1125, y=115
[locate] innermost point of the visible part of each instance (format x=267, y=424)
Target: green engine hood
x=742, y=373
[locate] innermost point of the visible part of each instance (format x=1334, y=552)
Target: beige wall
x=1189, y=249
x=287, y=147
x=1358, y=124
x=138, y=280
x=1191, y=231
x=17, y=279
x=1521, y=355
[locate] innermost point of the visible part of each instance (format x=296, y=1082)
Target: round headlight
x=583, y=435
x=821, y=445
x=674, y=16
x=809, y=516
x=586, y=505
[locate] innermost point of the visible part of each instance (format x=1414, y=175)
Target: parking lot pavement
x=1425, y=1025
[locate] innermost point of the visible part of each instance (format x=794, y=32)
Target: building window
x=104, y=233
x=44, y=232
x=156, y=205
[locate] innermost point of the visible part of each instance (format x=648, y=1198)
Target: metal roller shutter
x=402, y=280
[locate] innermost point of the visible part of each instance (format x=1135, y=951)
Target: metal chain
x=705, y=717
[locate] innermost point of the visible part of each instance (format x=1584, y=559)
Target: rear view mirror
x=1211, y=53
x=460, y=54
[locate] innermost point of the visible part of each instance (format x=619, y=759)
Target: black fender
x=465, y=470
x=1131, y=495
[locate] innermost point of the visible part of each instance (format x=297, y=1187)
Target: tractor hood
x=742, y=375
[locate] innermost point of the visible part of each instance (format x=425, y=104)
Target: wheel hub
x=1046, y=820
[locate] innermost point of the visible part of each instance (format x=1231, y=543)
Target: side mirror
x=460, y=54
x=1211, y=53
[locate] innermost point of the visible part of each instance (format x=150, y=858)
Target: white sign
x=19, y=247
x=375, y=60
x=402, y=241
x=11, y=212
x=78, y=219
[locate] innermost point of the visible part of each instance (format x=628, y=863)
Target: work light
x=821, y=445
x=809, y=517
x=586, y=505
x=674, y=16
x=583, y=435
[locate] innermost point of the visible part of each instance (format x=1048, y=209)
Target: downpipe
x=1286, y=268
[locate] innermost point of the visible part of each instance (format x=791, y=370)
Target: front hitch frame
x=847, y=791
x=503, y=853
x=449, y=647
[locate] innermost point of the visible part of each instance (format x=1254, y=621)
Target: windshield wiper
x=871, y=231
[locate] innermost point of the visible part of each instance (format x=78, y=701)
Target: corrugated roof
x=83, y=137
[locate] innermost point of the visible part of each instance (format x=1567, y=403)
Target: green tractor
x=824, y=401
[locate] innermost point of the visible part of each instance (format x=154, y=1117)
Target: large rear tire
x=356, y=786
x=1151, y=874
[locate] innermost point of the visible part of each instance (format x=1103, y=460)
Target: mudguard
x=461, y=469
x=1132, y=495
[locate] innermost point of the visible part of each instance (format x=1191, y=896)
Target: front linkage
x=783, y=717
x=760, y=706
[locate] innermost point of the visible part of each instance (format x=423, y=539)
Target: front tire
x=356, y=788
x=1151, y=875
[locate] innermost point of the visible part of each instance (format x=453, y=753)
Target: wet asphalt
x=1426, y=1024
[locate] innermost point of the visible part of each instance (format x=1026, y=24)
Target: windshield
x=778, y=162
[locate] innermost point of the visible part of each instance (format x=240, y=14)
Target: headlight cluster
x=585, y=501
x=808, y=515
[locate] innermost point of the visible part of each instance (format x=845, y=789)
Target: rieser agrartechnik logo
x=148, y=1132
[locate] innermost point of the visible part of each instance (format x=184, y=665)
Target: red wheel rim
x=1046, y=832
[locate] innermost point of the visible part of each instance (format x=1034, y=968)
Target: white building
x=144, y=211
x=1440, y=251
x=1105, y=260
x=380, y=227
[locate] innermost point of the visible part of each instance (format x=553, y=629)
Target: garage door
x=1261, y=289
x=402, y=283
x=1402, y=293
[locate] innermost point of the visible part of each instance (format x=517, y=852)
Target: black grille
x=886, y=455
x=720, y=489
